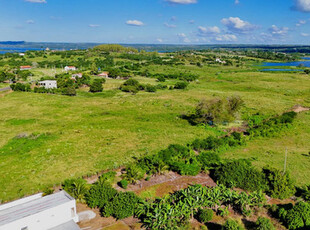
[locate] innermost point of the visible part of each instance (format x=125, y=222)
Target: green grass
x=93, y=132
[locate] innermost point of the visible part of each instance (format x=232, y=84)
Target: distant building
x=21, y=54
x=52, y=212
x=104, y=74
x=25, y=67
x=69, y=68
x=220, y=61
x=77, y=75
x=48, y=84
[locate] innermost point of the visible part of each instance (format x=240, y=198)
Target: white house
x=77, y=75
x=104, y=74
x=220, y=61
x=48, y=84
x=68, y=68
x=52, y=212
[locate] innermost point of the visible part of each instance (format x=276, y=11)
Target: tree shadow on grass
x=214, y=226
x=249, y=224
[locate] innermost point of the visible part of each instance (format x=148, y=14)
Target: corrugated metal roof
x=32, y=207
x=71, y=225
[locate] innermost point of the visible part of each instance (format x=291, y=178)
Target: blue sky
x=157, y=21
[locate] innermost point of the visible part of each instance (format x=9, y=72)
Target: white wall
x=47, y=219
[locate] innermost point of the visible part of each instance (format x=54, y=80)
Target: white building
x=48, y=84
x=52, y=212
x=68, y=68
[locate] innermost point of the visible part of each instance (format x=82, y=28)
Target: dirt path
x=299, y=109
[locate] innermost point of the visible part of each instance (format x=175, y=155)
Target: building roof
x=31, y=206
x=71, y=225
x=25, y=66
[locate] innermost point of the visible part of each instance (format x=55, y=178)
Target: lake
x=305, y=63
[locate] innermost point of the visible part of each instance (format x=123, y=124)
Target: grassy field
x=75, y=136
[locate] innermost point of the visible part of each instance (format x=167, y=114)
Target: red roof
x=25, y=66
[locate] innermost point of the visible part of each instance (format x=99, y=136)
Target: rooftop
x=18, y=209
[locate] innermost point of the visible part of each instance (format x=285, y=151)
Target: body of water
x=305, y=63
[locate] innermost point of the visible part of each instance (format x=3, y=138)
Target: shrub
x=280, y=185
x=150, y=88
x=123, y=184
x=122, y=206
x=209, y=160
x=237, y=173
x=183, y=168
x=263, y=223
x=96, y=86
x=133, y=173
x=77, y=188
x=181, y=85
x=108, y=177
x=299, y=216
x=231, y=224
x=20, y=87
x=69, y=91
x=131, y=85
x=204, y=215
x=100, y=195
x=161, y=79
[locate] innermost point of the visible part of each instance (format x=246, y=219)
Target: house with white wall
x=69, y=68
x=48, y=84
x=37, y=212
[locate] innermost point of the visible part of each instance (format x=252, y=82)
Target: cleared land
x=93, y=132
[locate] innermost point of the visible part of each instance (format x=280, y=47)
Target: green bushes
x=231, y=224
x=123, y=205
x=280, y=185
x=123, y=184
x=237, y=173
x=69, y=91
x=96, y=86
x=181, y=85
x=204, y=215
x=296, y=217
x=77, y=188
x=131, y=85
x=100, y=195
x=150, y=88
x=43, y=90
x=20, y=87
x=263, y=223
x=217, y=110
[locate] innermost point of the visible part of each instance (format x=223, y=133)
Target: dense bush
x=123, y=184
x=236, y=173
x=20, y=87
x=264, y=223
x=204, y=215
x=280, y=185
x=43, y=90
x=209, y=160
x=77, y=188
x=107, y=177
x=99, y=195
x=231, y=224
x=69, y=91
x=123, y=205
x=181, y=85
x=96, y=86
x=217, y=110
x=150, y=88
x=130, y=85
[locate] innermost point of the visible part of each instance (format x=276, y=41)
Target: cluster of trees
x=294, y=217
x=189, y=77
x=114, y=48
x=20, y=87
x=216, y=111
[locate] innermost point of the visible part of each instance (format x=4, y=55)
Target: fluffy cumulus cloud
x=205, y=31
x=36, y=1
x=183, y=38
x=237, y=25
x=134, y=23
x=301, y=22
x=183, y=2
x=237, y=2
x=302, y=5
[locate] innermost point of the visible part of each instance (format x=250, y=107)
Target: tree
x=231, y=224
x=69, y=91
x=181, y=85
x=96, y=86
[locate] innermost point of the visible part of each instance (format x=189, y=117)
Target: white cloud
x=302, y=5
x=134, y=23
x=36, y=1
x=237, y=25
x=183, y=38
x=30, y=21
x=93, y=25
x=208, y=30
x=278, y=31
x=160, y=40
x=183, y=2
x=304, y=34
x=170, y=25
x=237, y=2
x=301, y=22
x=226, y=38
